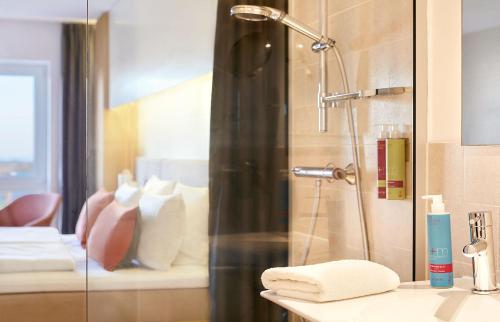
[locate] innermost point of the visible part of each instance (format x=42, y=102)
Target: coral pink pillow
x=96, y=203
x=112, y=235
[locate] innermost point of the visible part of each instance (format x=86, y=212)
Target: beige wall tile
x=304, y=86
x=389, y=221
x=481, y=178
x=376, y=46
x=307, y=10
x=336, y=7
x=461, y=269
x=320, y=247
x=343, y=246
x=300, y=48
x=435, y=172
x=394, y=258
x=485, y=151
x=469, y=179
x=446, y=171
x=459, y=229
x=371, y=24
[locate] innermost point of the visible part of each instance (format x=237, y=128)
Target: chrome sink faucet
x=481, y=250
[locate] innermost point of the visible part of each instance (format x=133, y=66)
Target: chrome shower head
x=256, y=13
x=262, y=13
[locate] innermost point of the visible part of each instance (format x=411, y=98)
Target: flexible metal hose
x=312, y=224
x=314, y=220
x=355, y=156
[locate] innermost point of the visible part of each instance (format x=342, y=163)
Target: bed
x=124, y=295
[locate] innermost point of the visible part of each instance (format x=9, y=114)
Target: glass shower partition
x=194, y=119
x=189, y=131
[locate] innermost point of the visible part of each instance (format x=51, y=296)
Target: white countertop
x=411, y=302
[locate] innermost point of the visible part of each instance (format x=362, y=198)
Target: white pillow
x=194, y=249
x=159, y=187
x=128, y=195
x=162, y=224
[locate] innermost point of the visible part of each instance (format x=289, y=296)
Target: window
x=23, y=127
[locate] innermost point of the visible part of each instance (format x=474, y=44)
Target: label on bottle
x=381, y=177
x=440, y=268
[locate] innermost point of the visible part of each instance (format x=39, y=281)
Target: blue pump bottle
x=439, y=244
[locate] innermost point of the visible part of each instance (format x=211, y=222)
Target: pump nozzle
x=437, y=206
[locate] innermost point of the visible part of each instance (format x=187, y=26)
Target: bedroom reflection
x=104, y=190
x=148, y=203
x=191, y=163
x=42, y=106
x=143, y=184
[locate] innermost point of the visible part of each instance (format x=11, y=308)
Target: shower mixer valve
x=329, y=172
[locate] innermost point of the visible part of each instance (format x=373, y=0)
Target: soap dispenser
x=439, y=244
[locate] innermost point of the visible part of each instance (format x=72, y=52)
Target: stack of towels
x=331, y=281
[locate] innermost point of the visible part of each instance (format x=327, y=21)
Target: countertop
x=411, y=302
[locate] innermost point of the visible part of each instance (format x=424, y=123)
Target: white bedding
x=33, y=249
x=29, y=235
x=100, y=279
x=35, y=257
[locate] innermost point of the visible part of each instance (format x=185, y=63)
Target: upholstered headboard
x=189, y=172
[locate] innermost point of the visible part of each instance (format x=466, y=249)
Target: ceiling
x=54, y=10
x=480, y=15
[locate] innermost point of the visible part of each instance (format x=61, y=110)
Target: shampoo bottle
x=381, y=164
x=395, y=164
x=439, y=244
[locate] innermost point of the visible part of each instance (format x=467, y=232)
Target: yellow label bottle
x=396, y=166
x=381, y=164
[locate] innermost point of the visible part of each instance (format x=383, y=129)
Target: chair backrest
x=31, y=210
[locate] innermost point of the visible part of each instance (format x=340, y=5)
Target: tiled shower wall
x=375, y=38
x=468, y=177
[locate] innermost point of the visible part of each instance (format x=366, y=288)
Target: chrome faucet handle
x=481, y=250
x=348, y=174
x=474, y=248
x=480, y=219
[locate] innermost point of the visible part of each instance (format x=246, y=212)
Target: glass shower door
x=194, y=120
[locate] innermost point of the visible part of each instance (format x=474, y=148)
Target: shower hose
x=312, y=224
x=314, y=219
x=359, y=195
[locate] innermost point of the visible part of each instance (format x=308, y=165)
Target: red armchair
x=31, y=210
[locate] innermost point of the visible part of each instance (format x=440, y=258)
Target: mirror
x=480, y=72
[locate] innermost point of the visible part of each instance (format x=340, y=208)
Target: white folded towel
x=331, y=281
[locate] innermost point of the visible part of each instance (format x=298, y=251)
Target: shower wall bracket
x=389, y=91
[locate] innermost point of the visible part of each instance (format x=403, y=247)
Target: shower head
x=256, y=13
x=262, y=13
